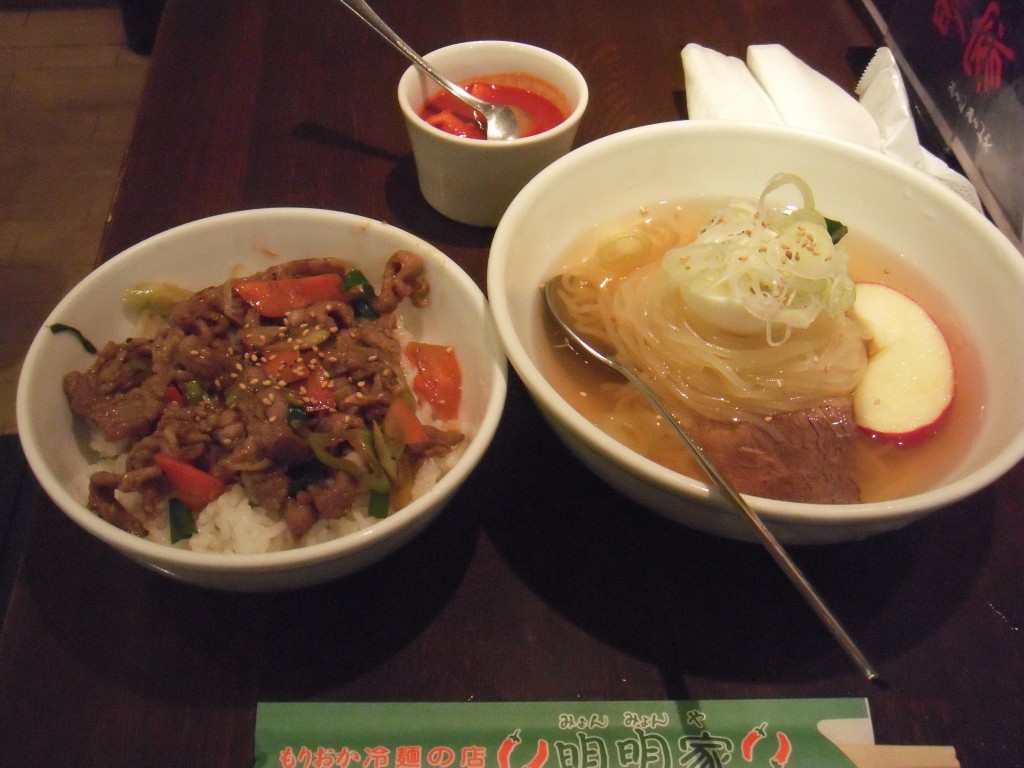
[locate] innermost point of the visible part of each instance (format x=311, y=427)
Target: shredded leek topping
x=764, y=267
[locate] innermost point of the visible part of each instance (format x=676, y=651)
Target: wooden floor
x=69, y=87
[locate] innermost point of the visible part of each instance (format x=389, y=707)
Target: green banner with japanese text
x=773, y=733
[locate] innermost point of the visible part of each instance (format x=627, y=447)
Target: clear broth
x=884, y=469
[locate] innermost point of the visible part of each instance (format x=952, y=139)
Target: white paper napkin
x=807, y=99
x=774, y=86
x=883, y=94
x=720, y=87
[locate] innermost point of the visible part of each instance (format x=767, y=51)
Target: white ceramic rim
x=571, y=120
x=157, y=554
x=772, y=510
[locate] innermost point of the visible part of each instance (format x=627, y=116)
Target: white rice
x=231, y=524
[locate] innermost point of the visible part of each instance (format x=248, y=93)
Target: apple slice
x=908, y=385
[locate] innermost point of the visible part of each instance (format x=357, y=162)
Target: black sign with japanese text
x=967, y=56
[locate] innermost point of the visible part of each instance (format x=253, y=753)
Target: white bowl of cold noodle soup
x=64, y=450
x=637, y=194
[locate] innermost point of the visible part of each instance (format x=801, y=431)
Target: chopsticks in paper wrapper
x=855, y=738
x=774, y=86
x=887, y=756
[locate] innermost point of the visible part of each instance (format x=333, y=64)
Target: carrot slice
x=173, y=395
x=192, y=485
x=284, y=364
x=316, y=392
x=276, y=298
x=438, y=378
x=401, y=425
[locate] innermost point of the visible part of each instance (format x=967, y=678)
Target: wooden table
x=537, y=583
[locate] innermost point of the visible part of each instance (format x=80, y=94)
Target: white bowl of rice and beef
x=265, y=399
x=841, y=333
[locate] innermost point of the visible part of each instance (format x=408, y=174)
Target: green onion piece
x=87, y=345
x=312, y=339
x=261, y=335
x=372, y=477
x=193, y=392
x=380, y=504
x=232, y=396
x=354, y=278
x=836, y=229
x=180, y=521
x=363, y=309
x=362, y=440
x=387, y=453
x=157, y=298
x=296, y=414
x=320, y=442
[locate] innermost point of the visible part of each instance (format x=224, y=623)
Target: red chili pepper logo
x=781, y=756
x=512, y=741
x=505, y=750
x=751, y=739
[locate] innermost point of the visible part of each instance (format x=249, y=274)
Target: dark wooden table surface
x=537, y=583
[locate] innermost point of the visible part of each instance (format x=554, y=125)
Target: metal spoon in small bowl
x=602, y=352
x=501, y=122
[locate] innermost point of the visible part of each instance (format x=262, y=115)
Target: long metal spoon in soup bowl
x=501, y=122
x=599, y=350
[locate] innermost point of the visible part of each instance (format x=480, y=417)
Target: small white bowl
x=203, y=253
x=964, y=257
x=470, y=180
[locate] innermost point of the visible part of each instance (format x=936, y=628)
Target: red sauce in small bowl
x=537, y=112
